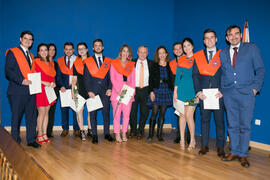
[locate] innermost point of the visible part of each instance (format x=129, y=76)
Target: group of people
x=236, y=71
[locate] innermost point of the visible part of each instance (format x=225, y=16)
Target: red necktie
x=234, y=56
x=68, y=63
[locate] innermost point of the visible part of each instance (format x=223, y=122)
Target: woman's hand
x=152, y=96
x=175, y=96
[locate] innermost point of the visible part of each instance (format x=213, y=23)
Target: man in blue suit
x=99, y=85
x=206, y=81
x=242, y=77
x=18, y=65
x=64, y=80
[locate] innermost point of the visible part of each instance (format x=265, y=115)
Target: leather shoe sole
x=230, y=157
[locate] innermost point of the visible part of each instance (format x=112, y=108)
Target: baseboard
x=257, y=145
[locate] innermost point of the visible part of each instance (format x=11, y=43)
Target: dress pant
x=65, y=119
x=23, y=104
x=219, y=122
x=106, y=115
x=117, y=110
x=239, y=109
x=141, y=97
x=52, y=114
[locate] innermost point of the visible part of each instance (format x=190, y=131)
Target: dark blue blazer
x=14, y=76
x=96, y=85
x=62, y=80
x=249, y=69
x=202, y=81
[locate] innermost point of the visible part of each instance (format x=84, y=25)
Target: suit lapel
x=94, y=57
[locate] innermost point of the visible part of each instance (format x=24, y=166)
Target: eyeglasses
x=81, y=49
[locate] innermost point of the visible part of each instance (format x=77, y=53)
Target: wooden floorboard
x=70, y=158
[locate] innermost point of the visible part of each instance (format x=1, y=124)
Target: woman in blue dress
x=184, y=91
x=161, y=90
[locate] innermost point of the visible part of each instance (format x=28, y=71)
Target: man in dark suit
x=202, y=81
x=96, y=84
x=141, y=92
x=64, y=81
x=242, y=77
x=18, y=65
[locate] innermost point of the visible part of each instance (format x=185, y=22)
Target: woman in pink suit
x=121, y=72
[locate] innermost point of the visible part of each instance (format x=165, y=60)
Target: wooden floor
x=70, y=158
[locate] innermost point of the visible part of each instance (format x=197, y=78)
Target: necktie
x=99, y=62
x=28, y=58
x=210, y=55
x=141, y=82
x=68, y=63
x=234, y=56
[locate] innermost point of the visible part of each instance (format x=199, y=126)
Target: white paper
x=51, y=96
x=65, y=98
x=179, y=107
x=94, y=103
x=35, y=87
x=81, y=102
x=211, y=101
x=129, y=94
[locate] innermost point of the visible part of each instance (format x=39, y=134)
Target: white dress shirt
x=72, y=59
x=146, y=73
x=232, y=51
x=24, y=50
x=101, y=58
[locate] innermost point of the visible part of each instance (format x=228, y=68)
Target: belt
x=162, y=81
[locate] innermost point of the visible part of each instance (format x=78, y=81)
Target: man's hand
x=219, y=95
x=108, y=92
x=152, y=96
x=91, y=94
x=26, y=82
x=63, y=89
x=255, y=92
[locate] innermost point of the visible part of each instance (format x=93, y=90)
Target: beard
x=98, y=52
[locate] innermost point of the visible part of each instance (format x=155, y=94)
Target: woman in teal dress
x=184, y=91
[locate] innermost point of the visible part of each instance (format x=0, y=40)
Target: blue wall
x=152, y=22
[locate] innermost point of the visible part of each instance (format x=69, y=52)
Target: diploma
x=35, y=86
x=179, y=107
x=77, y=106
x=65, y=98
x=51, y=96
x=94, y=103
x=211, y=101
x=128, y=93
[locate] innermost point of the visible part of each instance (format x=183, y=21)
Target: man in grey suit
x=241, y=79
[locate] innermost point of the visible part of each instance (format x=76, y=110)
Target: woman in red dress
x=47, y=71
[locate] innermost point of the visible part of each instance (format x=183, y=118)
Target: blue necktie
x=99, y=62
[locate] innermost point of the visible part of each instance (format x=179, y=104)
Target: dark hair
x=188, y=40
x=97, y=40
x=209, y=31
x=38, y=49
x=53, y=45
x=129, y=50
x=68, y=44
x=27, y=32
x=176, y=43
x=156, y=58
x=228, y=30
x=84, y=44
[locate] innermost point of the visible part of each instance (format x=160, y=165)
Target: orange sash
x=78, y=64
x=22, y=61
x=62, y=65
x=93, y=68
x=205, y=68
x=185, y=63
x=127, y=70
x=47, y=68
x=173, y=66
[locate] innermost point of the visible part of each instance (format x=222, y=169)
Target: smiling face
x=162, y=55
x=210, y=40
x=68, y=50
x=82, y=50
x=124, y=54
x=52, y=51
x=98, y=47
x=43, y=52
x=142, y=53
x=188, y=47
x=234, y=36
x=26, y=41
x=178, y=50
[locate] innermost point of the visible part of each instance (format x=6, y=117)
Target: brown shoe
x=76, y=133
x=230, y=157
x=64, y=133
x=220, y=152
x=244, y=162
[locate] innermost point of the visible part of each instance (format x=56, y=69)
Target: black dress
x=80, y=83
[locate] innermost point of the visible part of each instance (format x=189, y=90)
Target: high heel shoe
x=192, y=145
x=182, y=145
x=39, y=141
x=118, y=138
x=124, y=137
x=46, y=139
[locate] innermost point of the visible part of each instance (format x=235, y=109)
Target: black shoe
x=50, y=136
x=203, y=150
x=149, y=139
x=34, y=145
x=220, y=152
x=139, y=136
x=109, y=137
x=82, y=135
x=176, y=140
x=89, y=133
x=95, y=139
x=131, y=135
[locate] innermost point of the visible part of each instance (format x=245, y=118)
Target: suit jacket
x=202, y=81
x=149, y=63
x=14, y=76
x=249, y=69
x=62, y=80
x=155, y=77
x=96, y=85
